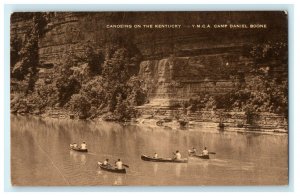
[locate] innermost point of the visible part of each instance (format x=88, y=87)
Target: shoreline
x=211, y=126
x=172, y=125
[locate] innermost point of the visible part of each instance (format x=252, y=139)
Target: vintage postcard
x=149, y=98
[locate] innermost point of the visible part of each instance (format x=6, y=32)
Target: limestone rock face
x=175, y=79
x=67, y=31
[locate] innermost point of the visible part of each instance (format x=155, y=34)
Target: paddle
x=125, y=165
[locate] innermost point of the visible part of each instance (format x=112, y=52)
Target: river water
x=40, y=155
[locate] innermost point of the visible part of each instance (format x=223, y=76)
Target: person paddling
x=155, y=155
x=119, y=164
x=106, y=163
x=193, y=151
x=177, y=155
x=74, y=145
x=83, y=146
x=205, y=151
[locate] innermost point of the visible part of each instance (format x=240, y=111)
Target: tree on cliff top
x=116, y=69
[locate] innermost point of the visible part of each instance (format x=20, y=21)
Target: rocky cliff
x=177, y=63
x=66, y=32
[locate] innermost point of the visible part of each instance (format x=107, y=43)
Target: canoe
x=111, y=169
x=170, y=160
x=199, y=156
x=78, y=149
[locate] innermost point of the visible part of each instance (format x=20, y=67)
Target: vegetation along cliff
x=90, y=65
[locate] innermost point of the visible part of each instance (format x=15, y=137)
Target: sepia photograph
x=156, y=98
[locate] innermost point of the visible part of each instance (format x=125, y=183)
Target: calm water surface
x=40, y=155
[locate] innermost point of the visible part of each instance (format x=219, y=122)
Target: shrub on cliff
x=94, y=59
x=85, y=83
x=267, y=95
x=136, y=94
x=67, y=83
x=116, y=68
x=26, y=68
x=32, y=103
x=15, y=47
x=47, y=91
x=18, y=104
x=256, y=89
x=123, y=90
x=114, y=91
x=118, y=81
x=279, y=97
x=80, y=105
x=66, y=88
x=123, y=110
x=269, y=51
x=201, y=102
x=94, y=91
x=257, y=95
x=25, y=59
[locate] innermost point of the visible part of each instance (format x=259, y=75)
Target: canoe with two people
x=203, y=155
x=118, y=168
x=82, y=148
x=176, y=159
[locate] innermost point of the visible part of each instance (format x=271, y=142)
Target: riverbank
x=190, y=125
x=195, y=125
x=181, y=119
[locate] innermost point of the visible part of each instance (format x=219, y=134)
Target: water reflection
x=118, y=180
x=178, y=170
x=104, y=176
x=253, y=159
x=83, y=159
x=155, y=168
x=99, y=172
x=78, y=157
